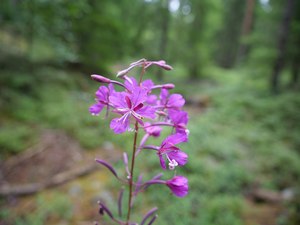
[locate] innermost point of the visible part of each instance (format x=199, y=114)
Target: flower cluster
x=147, y=107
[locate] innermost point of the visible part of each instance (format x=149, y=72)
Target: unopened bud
x=100, y=78
x=168, y=86
x=163, y=65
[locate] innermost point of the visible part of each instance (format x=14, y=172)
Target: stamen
x=121, y=110
x=172, y=163
x=128, y=101
x=187, y=131
x=139, y=106
x=137, y=115
x=123, y=118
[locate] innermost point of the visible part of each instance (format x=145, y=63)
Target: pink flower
x=172, y=153
x=178, y=185
x=130, y=105
x=152, y=130
x=180, y=120
x=173, y=101
x=102, y=98
x=136, y=101
x=131, y=84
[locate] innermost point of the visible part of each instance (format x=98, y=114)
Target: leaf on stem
x=103, y=209
x=148, y=214
x=108, y=166
x=120, y=199
x=153, y=219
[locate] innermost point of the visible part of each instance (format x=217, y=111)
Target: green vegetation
x=236, y=61
x=242, y=137
x=53, y=207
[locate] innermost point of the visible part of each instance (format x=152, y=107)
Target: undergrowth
x=243, y=136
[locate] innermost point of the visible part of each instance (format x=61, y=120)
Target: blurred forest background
x=235, y=61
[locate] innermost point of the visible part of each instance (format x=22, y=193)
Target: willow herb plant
x=139, y=110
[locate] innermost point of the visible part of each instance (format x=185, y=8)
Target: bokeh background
x=235, y=61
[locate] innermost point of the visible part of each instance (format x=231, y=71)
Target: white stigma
x=172, y=164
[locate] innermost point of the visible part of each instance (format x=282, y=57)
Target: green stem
x=131, y=172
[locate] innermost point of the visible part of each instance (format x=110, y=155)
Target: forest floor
x=243, y=152
x=56, y=167
x=56, y=153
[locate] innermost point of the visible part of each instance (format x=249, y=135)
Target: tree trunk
x=246, y=29
x=195, y=36
x=164, y=34
x=294, y=73
x=295, y=39
x=229, y=35
x=282, y=41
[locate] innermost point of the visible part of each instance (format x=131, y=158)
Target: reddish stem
x=131, y=173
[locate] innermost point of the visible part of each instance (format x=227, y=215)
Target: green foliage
x=15, y=137
x=48, y=208
x=238, y=139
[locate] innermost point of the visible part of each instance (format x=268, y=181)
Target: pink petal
x=163, y=96
x=147, y=111
x=179, y=186
x=102, y=94
x=147, y=84
x=175, y=139
x=118, y=99
x=175, y=101
x=119, y=126
x=96, y=109
x=178, y=117
x=131, y=83
x=180, y=157
x=152, y=130
x=138, y=96
x=151, y=99
x=162, y=162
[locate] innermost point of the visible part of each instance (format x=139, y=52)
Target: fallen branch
x=263, y=195
x=28, y=189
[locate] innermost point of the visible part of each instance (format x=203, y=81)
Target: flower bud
x=162, y=64
x=179, y=186
x=168, y=86
x=100, y=78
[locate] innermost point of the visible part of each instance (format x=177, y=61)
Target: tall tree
x=196, y=31
x=282, y=43
x=246, y=29
x=294, y=46
x=229, y=35
x=164, y=26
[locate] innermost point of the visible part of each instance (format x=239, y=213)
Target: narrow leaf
x=148, y=214
x=157, y=177
x=103, y=209
x=108, y=166
x=153, y=219
x=120, y=199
